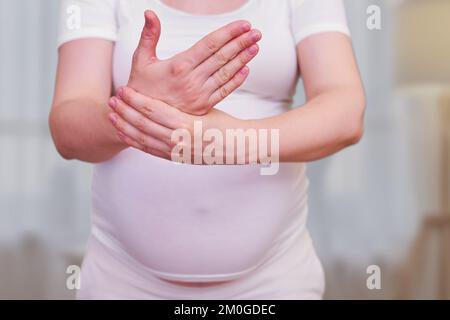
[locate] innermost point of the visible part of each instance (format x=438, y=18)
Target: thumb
x=146, y=50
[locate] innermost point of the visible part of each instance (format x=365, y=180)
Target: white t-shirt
x=193, y=223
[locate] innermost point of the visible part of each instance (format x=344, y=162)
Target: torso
x=196, y=222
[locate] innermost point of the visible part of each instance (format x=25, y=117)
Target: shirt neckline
x=167, y=7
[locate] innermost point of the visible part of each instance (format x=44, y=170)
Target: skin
x=196, y=80
x=84, y=128
x=79, y=116
x=331, y=119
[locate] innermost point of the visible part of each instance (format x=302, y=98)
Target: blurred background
x=383, y=202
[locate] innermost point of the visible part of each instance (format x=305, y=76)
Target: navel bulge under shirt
x=203, y=223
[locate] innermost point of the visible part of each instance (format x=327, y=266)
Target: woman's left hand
x=155, y=127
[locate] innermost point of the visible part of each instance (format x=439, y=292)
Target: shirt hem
x=86, y=33
x=321, y=28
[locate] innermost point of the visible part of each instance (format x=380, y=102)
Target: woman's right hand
x=195, y=80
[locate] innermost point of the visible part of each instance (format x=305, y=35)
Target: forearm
x=81, y=130
x=326, y=124
x=320, y=128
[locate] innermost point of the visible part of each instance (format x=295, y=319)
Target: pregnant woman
x=168, y=230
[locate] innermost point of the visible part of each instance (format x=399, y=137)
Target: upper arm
x=87, y=31
x=324, y=49
x=84, y=71
x=327, y=62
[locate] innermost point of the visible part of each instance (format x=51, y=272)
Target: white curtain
x=44, y=207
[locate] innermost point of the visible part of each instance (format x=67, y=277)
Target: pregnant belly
x=187, y=222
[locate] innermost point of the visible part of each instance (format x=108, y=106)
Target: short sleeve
x=87, y=19
x=314, y=16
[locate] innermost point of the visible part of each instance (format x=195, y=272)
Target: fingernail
x=147, y=18
x=253, y=49
x=256, y=35
x=113, y=103
x=113, y=118
x=246, y=27
x=244, y=70
x=121, y=135
x=120, y=92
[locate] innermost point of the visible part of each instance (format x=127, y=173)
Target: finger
x=139, y=121
x=227, y=72
x=146, y=49
x=229, y=87
x=153, y=109
x=127, y=140
x=211, y=43
x=140, y=137
x=229, y=52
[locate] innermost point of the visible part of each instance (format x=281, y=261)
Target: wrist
x=240, y=141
